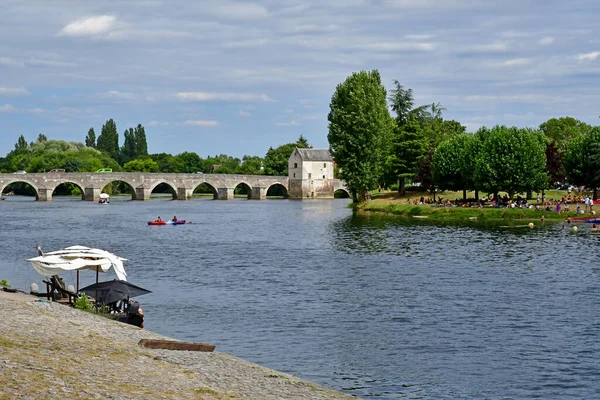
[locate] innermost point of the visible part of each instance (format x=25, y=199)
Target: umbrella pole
x=96, y=274
x=78, y=280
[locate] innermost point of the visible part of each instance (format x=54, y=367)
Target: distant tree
x=471, y=144
x=42, y=138
x=251, y=165
x=128, y=151
x=561, y=130
x=302, y=142
x=276, y=160
x=360, y=129
x=73, y=165
x=166, y=162
x=108, y=140
x=446, y=165
x=145, y=164
x=141, y=145
x=554, y=164
x=582, y=160
x=90, y=139
x=21, y=143
x=408, y=148
x=188, y=162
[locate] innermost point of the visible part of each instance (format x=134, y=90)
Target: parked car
x=58, y=170
x=105, y=170
x=20, y=172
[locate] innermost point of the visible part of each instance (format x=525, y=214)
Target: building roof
x=314, y=154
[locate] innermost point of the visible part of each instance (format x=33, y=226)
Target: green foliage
x=42, y=138
x=90, y=139
x=145, y=164
x=83, y=303
x=166, y=162
x=446, y=165
x=128, y=149
x=108, y=141
x=251, y=165
x=141, y=144
x=4, y=283
x=408, y=148
x=188, y=162
x=561, y=131
x=582, y=158
x=511, y=160
x=360, y=129
x=276, y=160
x=21, y=143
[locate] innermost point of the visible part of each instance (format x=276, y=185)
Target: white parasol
x=76, y=258
x=104, y=195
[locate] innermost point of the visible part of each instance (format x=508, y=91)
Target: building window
x=309, y=175
x=294, y=174
x=295, y=165
x=324, y=165
x=323, y=176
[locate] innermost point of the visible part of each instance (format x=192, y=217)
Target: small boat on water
x=170, y=222
x=104, y=198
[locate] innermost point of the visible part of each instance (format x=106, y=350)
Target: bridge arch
x=72, y=181
x=104, y=188
x=243, y=188
x=204, y=187
x=278, y=189
x=20, y=180
x=171, y=186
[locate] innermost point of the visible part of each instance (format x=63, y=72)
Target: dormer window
x=295, y=165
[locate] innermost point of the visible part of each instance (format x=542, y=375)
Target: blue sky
x=237, y=77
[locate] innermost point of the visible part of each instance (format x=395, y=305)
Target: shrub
x=83, y=303
x=4, y=283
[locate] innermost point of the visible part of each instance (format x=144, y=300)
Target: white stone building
x=310, y=174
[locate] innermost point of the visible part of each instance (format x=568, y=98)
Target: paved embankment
x=52, y=351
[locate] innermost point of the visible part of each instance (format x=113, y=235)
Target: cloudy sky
x=237, y=77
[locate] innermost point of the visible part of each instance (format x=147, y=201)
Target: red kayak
x=178, y=222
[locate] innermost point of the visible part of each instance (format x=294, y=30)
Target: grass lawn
x=394, y=204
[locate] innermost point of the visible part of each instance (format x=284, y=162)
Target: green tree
x=360, y=129
x=90, y=139
x=302, y=142
x=128, y=151
x=42, y=138
x=446, y=165
x=276, y=160
x=251, y=165
x=188, y=162
x=141, y=145
x=582, y=160
x=145, y=164
x=166, y=162
x=21, y=143
x=561, y=130
x=408, y=148
x=512, y=160
x=108, y=140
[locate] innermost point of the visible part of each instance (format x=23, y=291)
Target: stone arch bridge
x=142, y=184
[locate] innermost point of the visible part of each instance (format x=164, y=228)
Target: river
x=369, y=306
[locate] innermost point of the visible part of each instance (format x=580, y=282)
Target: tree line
x=104, y=151
x=371, y=147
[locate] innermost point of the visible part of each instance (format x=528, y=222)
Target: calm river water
x=371, y=307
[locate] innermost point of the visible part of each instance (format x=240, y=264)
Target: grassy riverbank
x=392, y=204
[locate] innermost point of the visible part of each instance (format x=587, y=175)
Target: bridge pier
x=141, y=193
x=225, y=193
x=184, y=193
x=258, y=193
x=44, y=194
x=91, y=194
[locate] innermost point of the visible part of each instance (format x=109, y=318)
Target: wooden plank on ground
x=175, y=345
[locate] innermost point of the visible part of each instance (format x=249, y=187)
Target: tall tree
x=128, y=151
x=561, y=130
x=108, y=140
x=408, y=148
x=582, y=160
x=141, y=145
x=42, y=138
x=512, y=160
x=276, y=160
x=90, y=139
x=360, y=128
x=302, y=142
x=21, y=143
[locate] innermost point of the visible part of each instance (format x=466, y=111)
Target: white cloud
x=418, y=36
x=239, y=11
x=7, y=108
x=588, y=56
x=207, y=96
x=36, y=62
x=288, y=123
x=488, y=47
x=515, y=62
x=91, y=26
x=398, y=46
x=312, y=28
x=547, y=40
x=243, y=113
x=115, y=94
x=11, y=62
x=13, y=91
x=246, y=43
x=157, y=123
x=201, y=123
